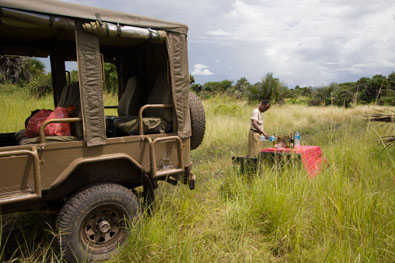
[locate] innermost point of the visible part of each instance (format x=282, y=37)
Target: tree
x=17, y=69
x=280, y=93
x=241, y=87
x=191, y=79
x=111, y=78
x=269, y=88
x=372, y=89
x=197, y=88
x=342, y=95
x=322, y=96
x=391, y=80
x=216, y=87
x=12, y=69
x=35, y=67
x=388, y=95
x=304, y=91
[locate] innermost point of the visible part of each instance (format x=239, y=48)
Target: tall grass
x=345, y=214
x=16, y=106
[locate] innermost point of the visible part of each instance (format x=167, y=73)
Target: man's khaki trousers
x=254, y=144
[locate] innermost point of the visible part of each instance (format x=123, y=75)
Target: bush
x=216, y=87
x=300, y=100
x=8, y=87
x=322, y=96
x=40, y=85
x=315, y=102
x=111, y=78
x=388, y=99
x=227, y=109
x=342, y=96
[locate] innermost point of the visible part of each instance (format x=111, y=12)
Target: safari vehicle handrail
x=42, y=134
x=36, y=174
x=150, y=106
x=152, y=143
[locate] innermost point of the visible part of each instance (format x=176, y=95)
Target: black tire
x=198, y=120
x=92, y=223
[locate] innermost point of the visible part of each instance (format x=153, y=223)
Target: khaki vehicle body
x=45, y=173
x=91, y=178
x=49, y=171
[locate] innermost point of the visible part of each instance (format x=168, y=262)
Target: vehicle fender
x=80, y=161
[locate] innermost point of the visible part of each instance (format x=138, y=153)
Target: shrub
x=315, y=102
x=8, y=87
x=40, y=86
x=227, y=109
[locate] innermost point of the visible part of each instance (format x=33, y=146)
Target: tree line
x=17, y=72
x=378, y=89
x=29, y=73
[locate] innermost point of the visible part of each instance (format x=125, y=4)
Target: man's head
x=264, y=105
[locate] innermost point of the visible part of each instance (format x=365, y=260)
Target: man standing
x=254, y=143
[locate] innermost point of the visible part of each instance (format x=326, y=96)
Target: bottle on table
x=297, y=139
x=271, y=139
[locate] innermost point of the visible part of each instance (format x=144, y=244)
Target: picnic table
x=311, y=156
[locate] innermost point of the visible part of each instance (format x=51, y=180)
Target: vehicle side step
x=168, y=172
x=18, y=196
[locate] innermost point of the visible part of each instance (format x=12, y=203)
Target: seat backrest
x=160, y=94
x=129, y=102
x=71, y=96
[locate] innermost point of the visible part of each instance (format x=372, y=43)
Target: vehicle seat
x=129, y=102
x=23, y=140
x=128, y=109
x=160, y=94
x=70, y=95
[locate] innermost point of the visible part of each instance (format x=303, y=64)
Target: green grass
x=345, y=214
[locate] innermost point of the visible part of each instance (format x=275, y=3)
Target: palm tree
x=269, y=88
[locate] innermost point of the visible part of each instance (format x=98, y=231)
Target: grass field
x=345, y=214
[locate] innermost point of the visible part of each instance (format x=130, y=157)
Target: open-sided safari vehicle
x=90, y=176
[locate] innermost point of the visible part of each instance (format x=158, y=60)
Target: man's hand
x=256, y=126
x=264, y=134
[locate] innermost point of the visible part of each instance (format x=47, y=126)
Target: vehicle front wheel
x=92, y=224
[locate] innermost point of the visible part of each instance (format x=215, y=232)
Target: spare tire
x=198, y=120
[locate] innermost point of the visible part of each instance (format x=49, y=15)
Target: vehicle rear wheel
x=92, y=224
x=198, y=120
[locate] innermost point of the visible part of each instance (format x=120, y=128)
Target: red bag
x=53, y=129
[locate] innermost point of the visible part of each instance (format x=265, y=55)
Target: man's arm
x=256, y=126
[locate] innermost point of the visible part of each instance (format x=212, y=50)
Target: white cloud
x=220, y=33
x=315, y=41
x=304, y=41
x=201, y=69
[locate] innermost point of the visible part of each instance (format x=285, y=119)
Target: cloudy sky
x=304, y=42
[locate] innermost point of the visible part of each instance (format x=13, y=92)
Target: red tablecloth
x=311, y=157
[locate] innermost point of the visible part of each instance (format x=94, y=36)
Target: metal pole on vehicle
x=113, y=30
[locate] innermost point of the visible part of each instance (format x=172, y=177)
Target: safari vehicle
x=91, y=177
